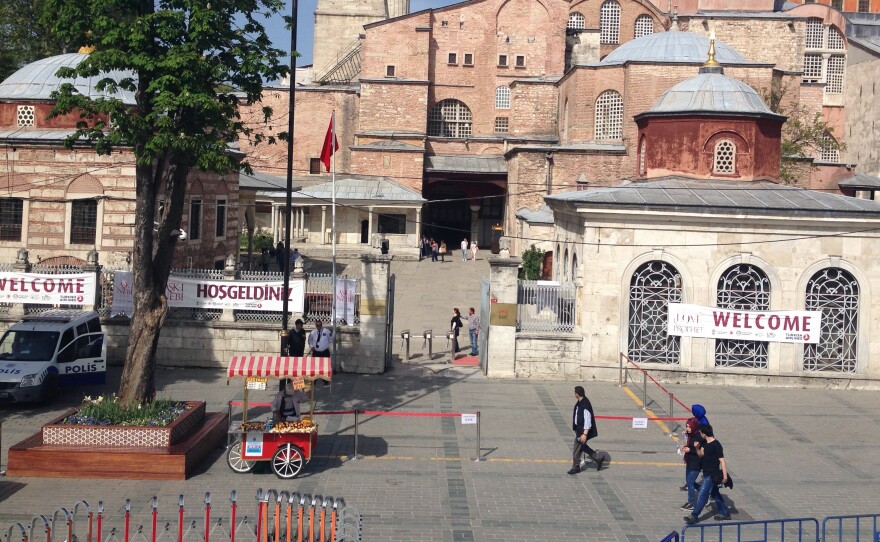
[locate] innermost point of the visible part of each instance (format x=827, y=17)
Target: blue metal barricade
x=671, y=537
x=774, y=530
x=857, y=528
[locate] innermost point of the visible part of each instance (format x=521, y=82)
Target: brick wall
x=403, y=167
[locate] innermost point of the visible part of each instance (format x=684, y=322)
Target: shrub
x=532, y=261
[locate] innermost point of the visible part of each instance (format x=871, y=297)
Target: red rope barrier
x=674, y=398
x=411, y=414
x=650, y=419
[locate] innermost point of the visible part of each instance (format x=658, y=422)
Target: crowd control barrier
x=861, y=528
x=279, y=516
x=774, y=530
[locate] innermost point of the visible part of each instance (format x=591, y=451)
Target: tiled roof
x=465, y=163
x=361, y=188
x=712, y=93
x=38, y=80
x=542, y=216
x=860, y=180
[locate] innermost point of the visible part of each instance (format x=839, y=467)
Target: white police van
x=48, y=350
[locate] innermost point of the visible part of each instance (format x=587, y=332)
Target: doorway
x=365, y=232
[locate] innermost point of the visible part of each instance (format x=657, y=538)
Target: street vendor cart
x=287, y=445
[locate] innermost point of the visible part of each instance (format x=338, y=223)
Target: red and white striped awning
x=266, y=365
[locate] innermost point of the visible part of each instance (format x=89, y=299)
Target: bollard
x=180, y=519
x=45, y=526
x=356, y=455
x=207, y=517
x=272, y=495
x=405, y=336
x=76, y=508
x=619, y=371
x=127, y=519
x=479, y=449
x=312, y=518
x=300, y=517
x=644, y=390
x=100, y=520
x=24, y=535
x=450, y=343
x=285, y=496
x=232, y=525
x=154, y=513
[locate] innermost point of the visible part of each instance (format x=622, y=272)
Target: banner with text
x=249, y=295
x=714, y=323
x=45, y=289
x=345, y=300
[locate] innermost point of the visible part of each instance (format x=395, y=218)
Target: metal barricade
x=774, y=530
x=856, y=528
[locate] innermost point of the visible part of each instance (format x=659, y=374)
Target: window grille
x=609, y=22
x=644, y=26
x=502, y=60
x=609, y=116
x=468, y=59
x=742, y=287
x=837, y=4
x=11, y=217
x=574, y=267
x=834, y=74
x=643, y=152
x=815, y=34
x=725, y=157
x=83, y=222
x=835, y=40
x=829, y=151
x=864, y=6
x=520, y=61
x=221, y=218
x=450, y=118
x=653, y=287
x=390, y=70
x=195, y=219
x=27, y=115
x=314, y=166
x=576, y=21
x=501, y=125
x=452, y=58
x=812, y=68
x=835, y=293
x=502, y=97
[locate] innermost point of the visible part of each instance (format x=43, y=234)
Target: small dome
x=711, y=93
x=672, y=47
x=38, y=80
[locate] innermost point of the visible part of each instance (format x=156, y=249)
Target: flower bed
x=74, y=429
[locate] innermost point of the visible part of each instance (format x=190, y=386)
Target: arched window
x=643, y=155
x=829, y=151
x=644, y=26
x=652, y=288
x=565, y=265
x=574, y=266
x=835, y=293
x=450, y=118
x=502, y=97
x=609, y=22
x=576, y=21
x=835, y=39
x=742, y=287
x=725, y=157
x=609, y=116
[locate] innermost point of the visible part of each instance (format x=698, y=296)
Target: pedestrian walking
x=455, y=326
x=699, y=412
x=464, y=249
x=265, y=259
x=584, y=425
x=279, y=255
x=435, y=248
x=296, y=340
x=714, y=468
x=473, y=330
x=474, y=249
x=443, y=251
x=691, y=462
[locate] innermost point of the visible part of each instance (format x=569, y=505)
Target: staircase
x=345, y=68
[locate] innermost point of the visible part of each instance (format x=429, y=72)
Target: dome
x=712, y=93
x=672, y=47
x=38, y=80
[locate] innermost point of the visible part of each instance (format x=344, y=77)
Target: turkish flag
x=331, y=145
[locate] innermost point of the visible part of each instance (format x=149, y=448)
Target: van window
x=68, y=347
x=82, y=329
x=28, y=345
x=94, y=325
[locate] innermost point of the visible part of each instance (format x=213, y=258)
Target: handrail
x=651, y=378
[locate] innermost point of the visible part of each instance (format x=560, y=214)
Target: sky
x=280, y=35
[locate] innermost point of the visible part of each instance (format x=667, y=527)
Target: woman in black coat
x=455, y=326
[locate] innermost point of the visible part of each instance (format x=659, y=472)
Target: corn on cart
x=287, y=445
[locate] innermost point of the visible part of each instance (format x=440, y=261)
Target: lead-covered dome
x=712, y=93
x=38, y=80
x=672, y=47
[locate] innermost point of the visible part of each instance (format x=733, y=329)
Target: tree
x=532, y=261
x=804, y=134
x=24, y=38
x=181, y=54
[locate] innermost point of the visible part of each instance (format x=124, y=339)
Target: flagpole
x=333, y=357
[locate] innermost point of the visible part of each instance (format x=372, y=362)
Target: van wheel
x=50, y=390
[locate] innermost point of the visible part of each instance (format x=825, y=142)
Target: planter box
x=109, y=436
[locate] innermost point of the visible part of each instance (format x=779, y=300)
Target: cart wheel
x=236, y=463
x=287, y=461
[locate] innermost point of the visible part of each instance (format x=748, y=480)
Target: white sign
x=468, y=419
x=640, y=423
x=714, y=323
x=345, y=300
x=214, y=294
x=253, y=445
x=45, y=289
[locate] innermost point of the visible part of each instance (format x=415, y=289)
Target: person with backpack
x=584, y=426
x=714, y=468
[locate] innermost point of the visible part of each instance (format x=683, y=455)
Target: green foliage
x=532, y=261
x=24, y=38
x=111, y=411
x=803, y=134
x=261, y=240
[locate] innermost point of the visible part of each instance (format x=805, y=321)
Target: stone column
x=369, y=225
x=369, y=356
x=501, y=347
x=92, y=266
x=274, y=224
x=418, y=225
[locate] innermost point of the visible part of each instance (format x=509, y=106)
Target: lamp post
x=289, y=196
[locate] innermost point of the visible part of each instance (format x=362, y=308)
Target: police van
x=52, y=349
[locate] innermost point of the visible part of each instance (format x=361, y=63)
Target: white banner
x=214, y=294
x=45, y=289
x=345, y=300
x=714, y=323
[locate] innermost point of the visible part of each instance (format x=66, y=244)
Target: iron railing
x=545, y=306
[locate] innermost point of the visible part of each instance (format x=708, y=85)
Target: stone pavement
x=792, y=452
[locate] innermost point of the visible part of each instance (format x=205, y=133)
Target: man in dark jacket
x=297, y=339
x=584, y=426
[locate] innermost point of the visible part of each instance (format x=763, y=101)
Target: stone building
x=60, y=202
x=487, y=106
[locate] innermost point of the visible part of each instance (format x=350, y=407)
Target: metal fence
x=320, y=295
x=776, y=530
x=543, y=306
x=859, y=528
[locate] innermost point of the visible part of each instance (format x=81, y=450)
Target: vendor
x=286, y=405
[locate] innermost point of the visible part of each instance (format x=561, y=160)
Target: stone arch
x=84, y=185
x=506, y=6
x=776, y=286
x=63, y=261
